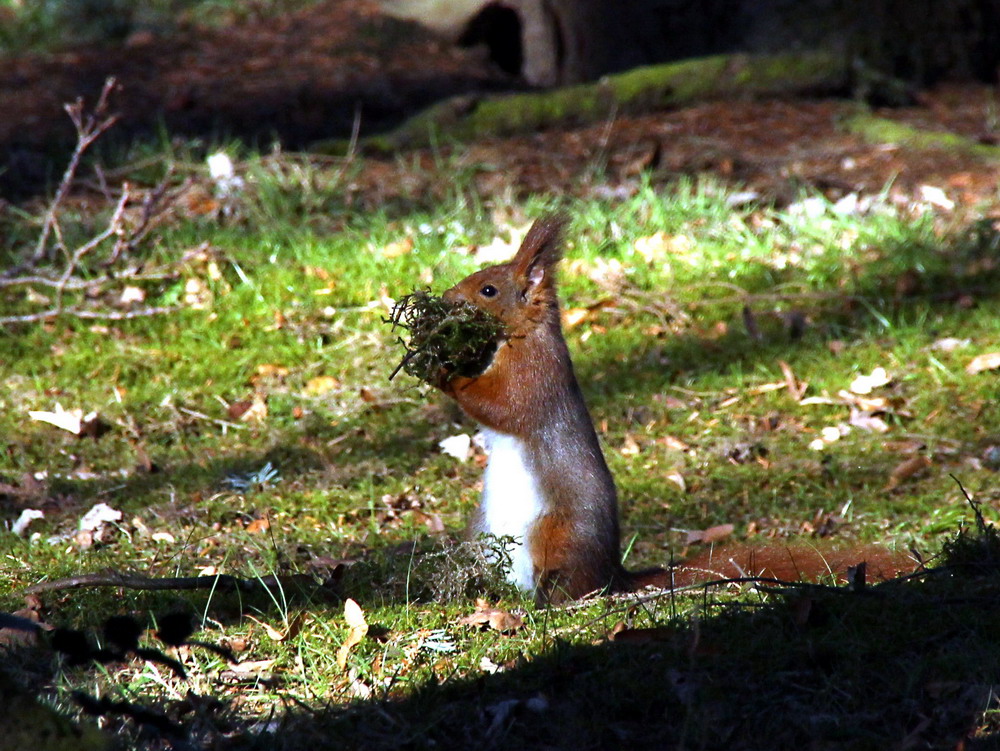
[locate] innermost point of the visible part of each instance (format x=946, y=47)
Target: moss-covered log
x=642, y=89
x=883, y=130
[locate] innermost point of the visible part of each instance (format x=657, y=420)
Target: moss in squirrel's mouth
x=454, y=339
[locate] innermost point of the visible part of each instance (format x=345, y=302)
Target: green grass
x=292, y=286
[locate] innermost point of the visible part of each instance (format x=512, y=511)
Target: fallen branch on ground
x=117, y=233
x=219, y=583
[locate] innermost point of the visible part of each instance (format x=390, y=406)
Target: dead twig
x=219, y=583
x=88, y=314
x=89, y=127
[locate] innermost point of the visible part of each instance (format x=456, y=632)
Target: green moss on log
x=882, y=130
x=638, y=90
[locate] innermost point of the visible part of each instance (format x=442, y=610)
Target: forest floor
x=786, y=335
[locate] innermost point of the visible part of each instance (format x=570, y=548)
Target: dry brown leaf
x=398, y=248
x=257, y=411
x=574, y=317
x=270, y=370
x=907, y=469
x=258, y=525
x=358, y=626
x=673, y=443
x=630, y=447
x=251, y=666
x=710, y=535
x=677, y=479
x=273, y=633
x=988, y=361
x=321, y=384
x=491, y=617
x=293, y=629
x=865, y=403
x=657, y=246
x=236, y=410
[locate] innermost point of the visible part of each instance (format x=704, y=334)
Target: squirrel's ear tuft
x=540, y=251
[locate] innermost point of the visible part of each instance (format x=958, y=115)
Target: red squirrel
x=546, y=483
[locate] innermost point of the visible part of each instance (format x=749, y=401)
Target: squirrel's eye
x=488, y=291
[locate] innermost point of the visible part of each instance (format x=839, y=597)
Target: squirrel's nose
x=453, y=295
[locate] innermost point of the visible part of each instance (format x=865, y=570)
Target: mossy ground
x=681, y=306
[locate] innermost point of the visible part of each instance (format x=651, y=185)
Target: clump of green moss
x=457, y=339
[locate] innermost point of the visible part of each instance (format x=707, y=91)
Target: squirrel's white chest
x=511, y=502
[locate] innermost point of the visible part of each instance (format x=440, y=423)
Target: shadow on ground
x=904, y=664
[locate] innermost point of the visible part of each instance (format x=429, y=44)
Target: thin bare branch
x=85, y=313
x=221, y=583
x=89, y=128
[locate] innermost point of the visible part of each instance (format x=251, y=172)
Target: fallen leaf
x=868, y=421
x=197, y=295
x=269, y=370
x=20, y=526
x=630, y=447
x=677, y=479
x=36, y=298
x=711, y=535
x=658, y=245
x=358, y=628
x=491, y=617
x=398, y=248
x=907, y=469
x=131, y=295
x=257, y=412
x=831, y=434
x=935, y=197
x=574, y=317
x=501, y=249
x=99, y=515
x=162, y=537
x=321, y=385
x=488, y=666
x=252, y=666
x=70, y=420
x=865, y=403
x=865, y=384
x=988, y=361
x=457, y=446
x=236, y=410
x=673, y=443
x=294, y=627
x=950, y=344
x=258, y=525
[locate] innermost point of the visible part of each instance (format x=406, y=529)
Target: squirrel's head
x=521, y=293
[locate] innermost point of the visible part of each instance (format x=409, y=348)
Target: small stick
x=221, y=582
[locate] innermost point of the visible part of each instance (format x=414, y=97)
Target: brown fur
x=530, y=391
